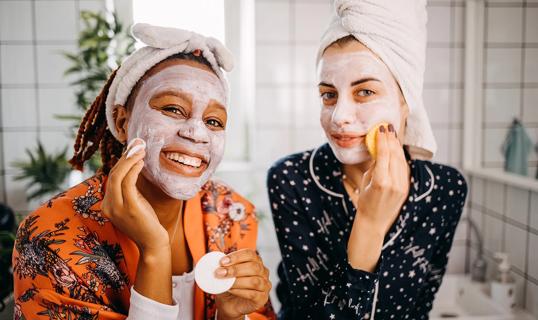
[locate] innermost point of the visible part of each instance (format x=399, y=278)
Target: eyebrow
x=215, y=104
x=178, y=94
x=354, y=83
x=325, y=84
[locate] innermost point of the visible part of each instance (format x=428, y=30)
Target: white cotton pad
x=204, y=274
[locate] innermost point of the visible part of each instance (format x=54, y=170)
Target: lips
x=183, y=162
x=347, y=140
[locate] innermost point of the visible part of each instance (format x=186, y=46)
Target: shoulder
x=448, y=193
x=65, y=213
x=289, y=166
x=449, y=180
x=216, y=194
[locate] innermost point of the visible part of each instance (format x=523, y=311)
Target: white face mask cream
x=179, y=113
x=358, y=91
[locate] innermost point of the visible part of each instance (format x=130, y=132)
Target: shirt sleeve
x=45, y=285
x=142, y=308
x=313, y=283
x=455, y=199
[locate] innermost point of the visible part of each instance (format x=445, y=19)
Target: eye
x=175, y=109
x=365, y=93
x=214, y=123
x=328, y=95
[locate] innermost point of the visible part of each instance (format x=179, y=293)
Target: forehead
x=190, y=77
x=351, y=59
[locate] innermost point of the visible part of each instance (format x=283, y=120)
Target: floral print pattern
x=70, y=262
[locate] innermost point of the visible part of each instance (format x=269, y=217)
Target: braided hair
x=93, y=132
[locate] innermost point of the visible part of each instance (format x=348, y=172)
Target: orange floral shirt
x=69, y=261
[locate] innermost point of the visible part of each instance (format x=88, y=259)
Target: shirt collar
x=326, y=172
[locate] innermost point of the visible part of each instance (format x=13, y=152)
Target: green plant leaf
x=45, y=173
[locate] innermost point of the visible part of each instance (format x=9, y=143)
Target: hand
x=385, y=186
x=125, y=206
x=251, y=287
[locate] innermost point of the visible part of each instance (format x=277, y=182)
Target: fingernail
x=382, y=129
x=221, y=272
x=225, y=261
x=391, y=128
x=131, y=143
x=135, y=150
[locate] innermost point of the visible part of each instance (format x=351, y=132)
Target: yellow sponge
x=371, y=139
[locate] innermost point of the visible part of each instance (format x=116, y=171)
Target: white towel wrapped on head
x=395, y=30
x=161, y=43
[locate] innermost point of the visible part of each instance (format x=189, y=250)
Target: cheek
x=325, y=117
x=218, y=141
x=382, y=111
x=153, y=127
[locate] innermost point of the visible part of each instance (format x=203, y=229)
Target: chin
x=351, y=156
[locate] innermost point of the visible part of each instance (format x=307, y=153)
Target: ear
x=121, y=121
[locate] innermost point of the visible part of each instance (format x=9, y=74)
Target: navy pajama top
x=313, y=216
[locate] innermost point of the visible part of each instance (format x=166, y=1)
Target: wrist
x=369, y=223
x=155, y=255
x=364, y=246
x=222, y=316
x=222, y=312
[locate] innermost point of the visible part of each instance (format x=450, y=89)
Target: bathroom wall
x=33, y=89
x=508, y=219
x=506, y=215
x=510, y=76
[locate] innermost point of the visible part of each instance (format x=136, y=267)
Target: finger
x=123, y=166
x=246, y=269
x=253, y=295
x=129, y=190
x=397, y=162
x=111, y=199
x=239, y=256
x=395, y=144
x=366, y=178
x=252, y=283
x=132, y=143
x=381, y=169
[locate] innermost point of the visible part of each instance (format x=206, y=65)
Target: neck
x=166, y=208
x=356, y=171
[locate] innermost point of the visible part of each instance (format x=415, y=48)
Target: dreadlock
x=93, y=132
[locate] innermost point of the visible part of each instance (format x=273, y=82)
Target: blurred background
x=481, y=93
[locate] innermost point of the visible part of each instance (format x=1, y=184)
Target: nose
x=343, y=114
x=194, y=132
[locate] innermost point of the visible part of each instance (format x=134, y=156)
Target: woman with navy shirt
x=366, y=234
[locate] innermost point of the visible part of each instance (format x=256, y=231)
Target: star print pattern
x=313, y=216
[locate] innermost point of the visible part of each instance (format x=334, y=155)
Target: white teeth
x=184, y=159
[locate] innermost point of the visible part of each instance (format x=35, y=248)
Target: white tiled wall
x=507, y=218
x=33, y=89
x=510, y=76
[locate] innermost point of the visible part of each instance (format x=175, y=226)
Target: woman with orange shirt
x=123, y=243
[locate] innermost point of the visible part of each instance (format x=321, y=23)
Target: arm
x=315, y=283
x=46, y=285
x=132, y=214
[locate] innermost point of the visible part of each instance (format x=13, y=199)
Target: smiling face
x=179, y=110
x=357, y=91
